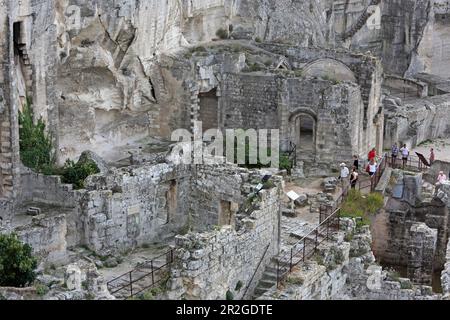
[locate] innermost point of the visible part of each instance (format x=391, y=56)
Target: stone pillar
x=421, y=252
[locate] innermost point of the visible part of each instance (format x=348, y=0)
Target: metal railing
x=256, y=271
x=363, y=184
x=307, y=246
x=329, y=219
x=146, y=279
x=412, y=164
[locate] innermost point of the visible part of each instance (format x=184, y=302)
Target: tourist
x=354, y=177
x=432, y=157
x=356, y=162
x=441, y=179
x=372, y=155
x=405, y=155
x=394, y=153
x=344, y=177
x=372, y=168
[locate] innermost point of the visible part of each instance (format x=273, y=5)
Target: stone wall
x=433, y=172
x=267, y=102
x=445, y=278
x=421, y=253
x=316, y=281
x=216, y=192
x=134, y=206
x=404, y=210
x=368, y=73
x=9, y=148
x=249, y=101
x=47, y=237
x=209, y=264
x=45, y=189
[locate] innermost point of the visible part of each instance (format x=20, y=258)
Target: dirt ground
x=441, y=149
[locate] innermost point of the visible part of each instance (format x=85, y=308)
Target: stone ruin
x=336, y=78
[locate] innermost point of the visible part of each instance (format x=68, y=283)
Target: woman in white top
x=372, y=167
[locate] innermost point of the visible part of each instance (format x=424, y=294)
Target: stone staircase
x=268, y=280
x=362, y=20
x=26, y=67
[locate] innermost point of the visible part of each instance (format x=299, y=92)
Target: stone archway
x=327, y=68
x=303, y=132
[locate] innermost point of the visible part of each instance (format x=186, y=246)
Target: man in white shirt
x=405, y=155
x=344, y=177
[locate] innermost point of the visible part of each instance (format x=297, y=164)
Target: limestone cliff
x=112, y=84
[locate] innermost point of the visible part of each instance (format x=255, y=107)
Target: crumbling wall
x=421, y=253
x=131, y=207
x=404, y=244
x=215, y=190
x=9, y=141
x=209, y=264
x=46, y=189
x=47, y=237
x=316, y=281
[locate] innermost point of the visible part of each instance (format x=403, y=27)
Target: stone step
x=271, y=276
x=259, y=292
x=266, y=284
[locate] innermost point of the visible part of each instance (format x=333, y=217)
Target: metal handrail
x=128, y=276
x=257, y=268
x=289, y=256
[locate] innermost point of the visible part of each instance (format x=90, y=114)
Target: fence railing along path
x=329, y=221
x=144, y=277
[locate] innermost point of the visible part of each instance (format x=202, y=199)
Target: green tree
x=76, y=173
x=17, y=264
x=36, y=150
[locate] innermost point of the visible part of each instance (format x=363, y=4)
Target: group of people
x=353, y=176
x=404, y=151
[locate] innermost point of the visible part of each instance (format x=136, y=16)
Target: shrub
x=222, y=33
x=76, y=173
x=239, y=286
x=254, y=67
x=359, y=208
x=406, y=285
x=229, y=295
x=199, y=49
x=36, y=150
x=17, y=264
x=375, y=201
x=41, y=289
x=295, y=280
x=285, y=163
x=258, y=40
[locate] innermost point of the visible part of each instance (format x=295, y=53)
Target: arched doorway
x=306, y=129
x=303, y=134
